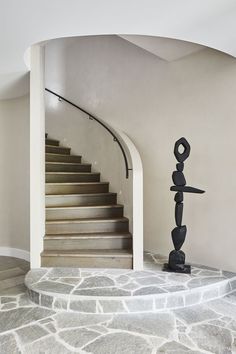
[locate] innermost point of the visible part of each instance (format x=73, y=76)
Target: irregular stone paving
x=28, y=328
x=127, y=291
x=123, y=282
x=209, y=327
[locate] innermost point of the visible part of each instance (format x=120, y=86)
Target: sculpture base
x=186, y=269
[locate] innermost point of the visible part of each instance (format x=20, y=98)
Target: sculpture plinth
x=176, y=261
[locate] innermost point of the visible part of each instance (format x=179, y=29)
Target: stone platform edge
x=130, y=304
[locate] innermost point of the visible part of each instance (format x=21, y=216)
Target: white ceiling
x=209, y=23
x=164, y=48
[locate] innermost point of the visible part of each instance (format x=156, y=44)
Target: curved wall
x=14, y=177
x=209, y=22
x=96, y=146
x=155, y=103
x=87, y=138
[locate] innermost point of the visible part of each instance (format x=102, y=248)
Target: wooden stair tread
x=48, y=140
x=74, y=183
x=89, y=235
x=77, y=221
x=81, y=194
x=11, y=273
x=51, y=139
x=80, y=199
x=89, y=253
x=58, y=147
x=53, y=154
x=67, y=163
x=62, y=150
x=71, y=173
x=85, y=207
x=72, y=188
x=10, y=282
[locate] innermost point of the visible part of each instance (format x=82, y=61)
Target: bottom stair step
x=95, y=241
x=11, y=282
x=88, y=259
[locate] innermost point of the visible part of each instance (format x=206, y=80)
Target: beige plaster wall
x=14, y=173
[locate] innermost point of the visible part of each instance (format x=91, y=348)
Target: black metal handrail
x=91, y=116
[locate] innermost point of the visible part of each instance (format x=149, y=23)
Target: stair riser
x=57, y=150
x=80, y=200
x=62, y=158
x=87, y=262
x=94, y=226
x=66, y=244
x=52, y=142
x=57, y=178
x=76, y=189
x=68, y=168
x=83, y=213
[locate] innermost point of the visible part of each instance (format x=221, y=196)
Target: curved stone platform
x=126, y=291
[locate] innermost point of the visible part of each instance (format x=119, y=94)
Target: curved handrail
x=91, y=116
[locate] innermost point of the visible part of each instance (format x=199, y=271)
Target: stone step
x=14, y=290
x=82, y=212
x=87, y=225
x=12, y=282
x=57, y=150
x=81, y=199
x=77, y=188
x=57, y=158
x=90, y=241
x=57, y=177
x=67, y=167
x=88, y=258
x=52, y=142
x=122, y=291
x=10, y=273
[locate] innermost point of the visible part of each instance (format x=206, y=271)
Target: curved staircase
x=85, y=226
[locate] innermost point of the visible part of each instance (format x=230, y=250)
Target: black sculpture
x=177, y=257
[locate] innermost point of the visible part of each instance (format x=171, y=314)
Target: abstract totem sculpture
x=177, y=257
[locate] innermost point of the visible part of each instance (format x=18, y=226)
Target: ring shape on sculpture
x=181, y=157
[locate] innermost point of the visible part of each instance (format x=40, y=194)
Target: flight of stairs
x=85, y=226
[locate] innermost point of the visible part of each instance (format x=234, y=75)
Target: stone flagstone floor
x=126, y=291
x=28, y=328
